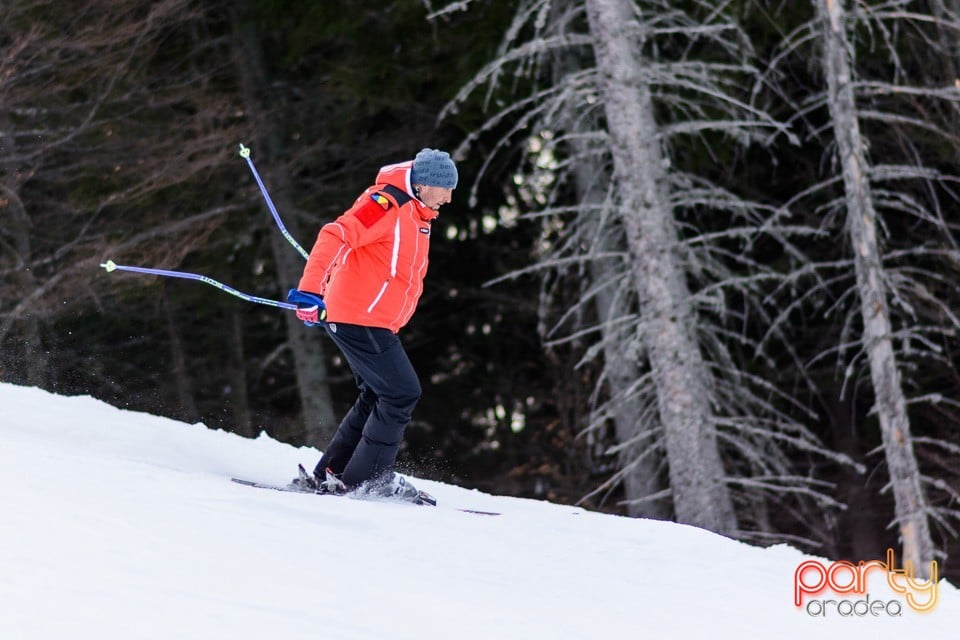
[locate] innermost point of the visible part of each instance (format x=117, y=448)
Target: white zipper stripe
x=383, y=290
x=414, y=268
x=394, y=260
x=396, y=248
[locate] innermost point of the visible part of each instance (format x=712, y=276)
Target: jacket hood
x=397, y=175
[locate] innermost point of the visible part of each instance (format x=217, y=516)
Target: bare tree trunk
x=305, y=344
x=945, y=12
x=239, y=396
x=180, y=371
x=697, y=476
x=637, y=459
x=15, y=225
x=862, y=529
x=891, y=406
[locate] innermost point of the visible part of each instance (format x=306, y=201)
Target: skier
x=361, y=283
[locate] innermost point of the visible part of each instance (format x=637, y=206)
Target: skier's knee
x=408, y=395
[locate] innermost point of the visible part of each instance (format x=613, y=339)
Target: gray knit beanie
x=434, y=168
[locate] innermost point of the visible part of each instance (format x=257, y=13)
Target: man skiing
x=362, y=282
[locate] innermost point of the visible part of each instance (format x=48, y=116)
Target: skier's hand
x=310, y=307
x=311, y=315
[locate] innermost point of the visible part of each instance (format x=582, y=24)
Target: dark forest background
x=120, y=124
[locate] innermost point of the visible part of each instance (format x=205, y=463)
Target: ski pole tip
x=109, y=265
x=244, y=151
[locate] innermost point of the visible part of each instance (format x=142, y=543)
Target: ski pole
x=111, y=266
x=245, y=154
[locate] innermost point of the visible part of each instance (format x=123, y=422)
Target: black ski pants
x=368, y=438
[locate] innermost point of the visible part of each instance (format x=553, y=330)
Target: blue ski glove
x=310, y=307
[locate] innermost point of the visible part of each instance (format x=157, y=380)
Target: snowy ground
x=117, y=524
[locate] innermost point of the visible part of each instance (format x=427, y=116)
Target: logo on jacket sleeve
x=381, y=200
x=425, y=230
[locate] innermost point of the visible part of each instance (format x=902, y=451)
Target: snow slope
x=117, y=524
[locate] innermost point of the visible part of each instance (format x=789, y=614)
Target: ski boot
x=310, y=483
x=393, y=486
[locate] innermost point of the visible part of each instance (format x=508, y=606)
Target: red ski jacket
x=369, y=263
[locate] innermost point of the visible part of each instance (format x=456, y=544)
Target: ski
x=424, y=498
x=275, y=487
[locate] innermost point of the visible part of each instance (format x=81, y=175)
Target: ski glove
x=310, y=307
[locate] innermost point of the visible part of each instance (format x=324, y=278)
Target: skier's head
x=434, y=168
x=433, y=177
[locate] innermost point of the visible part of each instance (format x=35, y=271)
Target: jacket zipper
x=394, y=259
